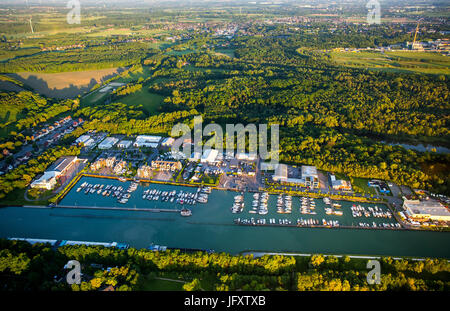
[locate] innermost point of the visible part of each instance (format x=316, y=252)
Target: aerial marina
x=266, y=209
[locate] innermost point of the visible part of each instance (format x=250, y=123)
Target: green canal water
x=211, y=226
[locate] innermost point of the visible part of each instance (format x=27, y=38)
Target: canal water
x=211, y=226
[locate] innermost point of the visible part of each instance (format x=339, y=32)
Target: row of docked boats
x=117, y=192
x=330, y=223
x=331, y=211
x=262, y=221
x=238, y=205
x=376, y=212
x=308, y=206
x=284, y=204
x=381, y=225
x=307, y=222
x=259, y=203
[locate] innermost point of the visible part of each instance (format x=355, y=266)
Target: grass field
x=65, y=84
x=150, y=101
x=401, y=61
x=360, y=185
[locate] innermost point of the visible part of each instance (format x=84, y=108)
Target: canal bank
x=139, y=229
x=212, y=226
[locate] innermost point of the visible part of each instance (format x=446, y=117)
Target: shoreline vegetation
x=136, y=268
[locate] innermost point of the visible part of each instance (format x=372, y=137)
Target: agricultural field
x=65, y=84
x=401, y=61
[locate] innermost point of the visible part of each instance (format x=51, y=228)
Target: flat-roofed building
x=124, y=143
x=147, y=141
x=281, y=173
x=50, y=177
x=82, y=139
x=267, y=166
x=108, y=143
x=427, y=209
x=46, y=181
x=209, y=156
x=88, y=143
x=308, y=178
x=246, y=156
x=340, y=184
x=167, y=142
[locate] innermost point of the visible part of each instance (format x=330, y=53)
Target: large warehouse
x=108, y=143
x=427, y=209
x=147, y=141
x=49, y=179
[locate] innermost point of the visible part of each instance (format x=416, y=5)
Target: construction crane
x=414, y=45
x=415, y=35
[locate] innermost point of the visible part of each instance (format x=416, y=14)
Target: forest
x=41, y=267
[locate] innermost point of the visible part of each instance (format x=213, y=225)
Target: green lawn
x=150, y=101
x=401, y=61
x=360, y=184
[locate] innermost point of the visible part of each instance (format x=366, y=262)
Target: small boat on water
x=185, y=212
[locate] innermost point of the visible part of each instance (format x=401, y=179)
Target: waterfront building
x=119, y=167
x=50, y=177
x=426, y=210
x=308, y=178
x=147, y=141
x=108, y=143
x=144, y=171
x=340, y=184
x=167, y=165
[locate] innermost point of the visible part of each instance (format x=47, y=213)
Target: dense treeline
x=329, y=117
x=92, y=57
x=40, y=267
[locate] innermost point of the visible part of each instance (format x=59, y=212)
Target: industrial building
x=82, y=139
x=426, y=210
x=147, y=141
x=124, y=143
x=246, y=156
x=108, y=143
x=308, y=176
x=50, y=177
x=209, y=156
